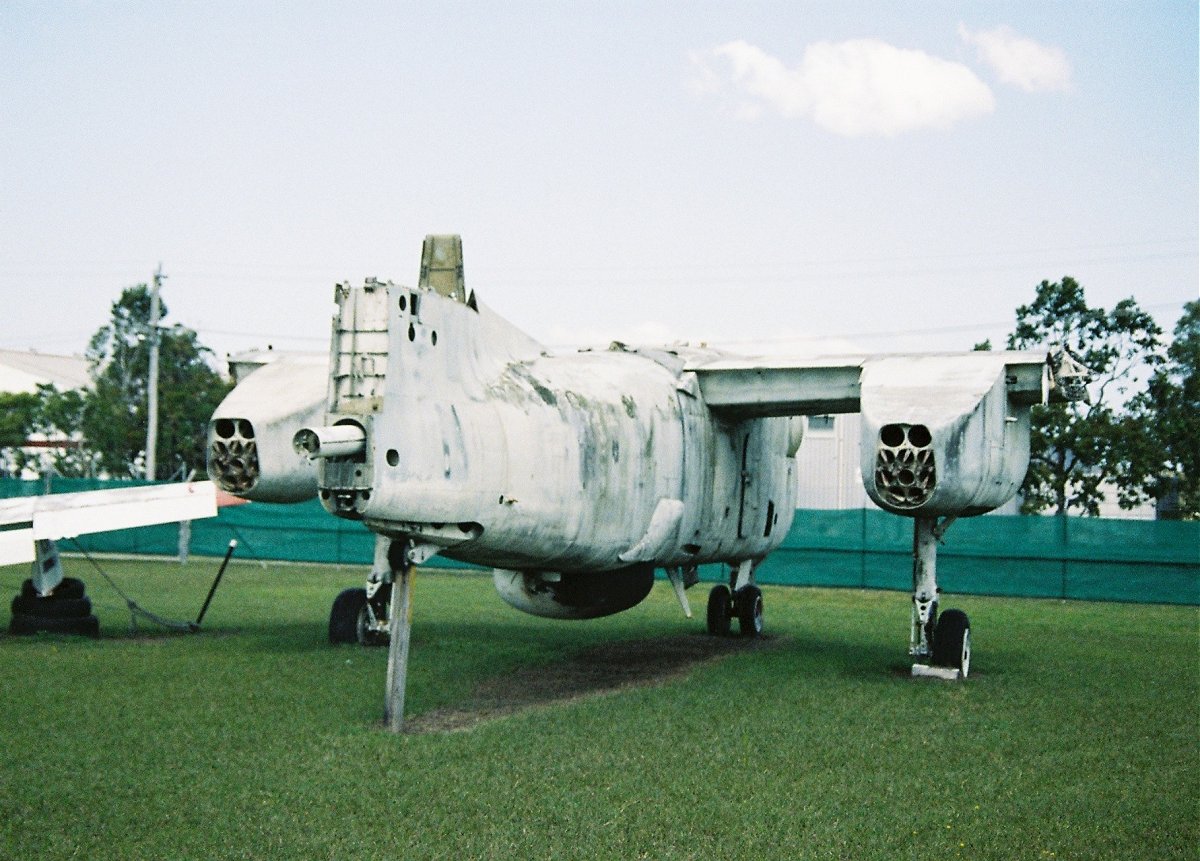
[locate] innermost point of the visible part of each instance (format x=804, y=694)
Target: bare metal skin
x=575, y=476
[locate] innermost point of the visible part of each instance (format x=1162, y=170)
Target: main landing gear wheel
x=952, y=642
x=746, y=604
x=355, y=618
x=749, y=604
x=343, y=617
x=720, y=611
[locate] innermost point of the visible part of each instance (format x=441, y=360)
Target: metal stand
x=195, y=626
x=403, y=575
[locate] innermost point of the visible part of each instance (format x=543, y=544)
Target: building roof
x=24, y=371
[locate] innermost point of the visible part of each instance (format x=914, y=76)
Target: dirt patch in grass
x=598, y=671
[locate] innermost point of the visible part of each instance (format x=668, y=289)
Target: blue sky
x=890, y=176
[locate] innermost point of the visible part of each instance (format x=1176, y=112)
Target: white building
x=827, y=464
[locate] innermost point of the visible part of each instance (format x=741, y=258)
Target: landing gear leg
x=941, y=646
x=925, y=590
x=361, y=615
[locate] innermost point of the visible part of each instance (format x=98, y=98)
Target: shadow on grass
x=595, y=671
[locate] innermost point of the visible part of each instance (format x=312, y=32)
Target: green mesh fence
x=1046, y=557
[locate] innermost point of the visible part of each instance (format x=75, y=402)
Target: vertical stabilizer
x=442, y=267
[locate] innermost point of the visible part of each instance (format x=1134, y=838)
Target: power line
x=233, y=270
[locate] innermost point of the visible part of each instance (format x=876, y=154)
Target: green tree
x=1165, y=420
x=114, y=416
x=60, y=415
x=17, y=412
x=1076, y=448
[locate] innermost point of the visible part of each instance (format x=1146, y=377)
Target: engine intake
x=233, y=455
x=905, y=468
x=951, y=435
x=250, y=435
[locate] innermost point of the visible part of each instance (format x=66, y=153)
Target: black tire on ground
x=70, y=587
x=23, y=623
x=720, y=611
x=952, y=641
x=343, y=616
x=52, y=607
x=749, y=603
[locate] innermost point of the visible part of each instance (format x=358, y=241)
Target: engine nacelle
x=250, y=450
x=943, y=436
x=574, y=595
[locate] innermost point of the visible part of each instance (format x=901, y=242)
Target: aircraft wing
x=786, y=386
x=27, y=519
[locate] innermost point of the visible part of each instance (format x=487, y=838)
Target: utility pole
x=152, y=383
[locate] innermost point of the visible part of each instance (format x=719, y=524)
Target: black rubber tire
x=952, y=641
x=52, y=607
x=23, y=623
x=343, y=616
x=70, y=588
x=720, y=611
x=749, y=603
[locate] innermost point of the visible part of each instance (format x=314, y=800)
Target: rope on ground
x=135, y=609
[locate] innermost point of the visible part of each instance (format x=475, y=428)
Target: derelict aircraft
x=575, y=476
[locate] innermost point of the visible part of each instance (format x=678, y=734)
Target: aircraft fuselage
x=479, y=441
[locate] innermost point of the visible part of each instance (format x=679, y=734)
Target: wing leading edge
x=27, y=519
x=781, y=386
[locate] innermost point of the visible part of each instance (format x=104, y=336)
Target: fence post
x=1064, y=542
x=862, y=548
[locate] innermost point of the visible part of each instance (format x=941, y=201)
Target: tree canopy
x=1165, y=421
x=1077, y=449
x=115, y=411
x=17, y=414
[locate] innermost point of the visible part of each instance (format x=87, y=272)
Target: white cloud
x=1020, y=61
x=854, y=88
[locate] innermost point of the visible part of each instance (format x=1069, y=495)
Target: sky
x=771, y=177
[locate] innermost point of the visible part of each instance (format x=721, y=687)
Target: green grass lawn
x=1076, y=737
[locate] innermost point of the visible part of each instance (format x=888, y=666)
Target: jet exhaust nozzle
x=347, y=440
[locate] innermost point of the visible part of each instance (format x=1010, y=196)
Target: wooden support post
x=403, y=574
